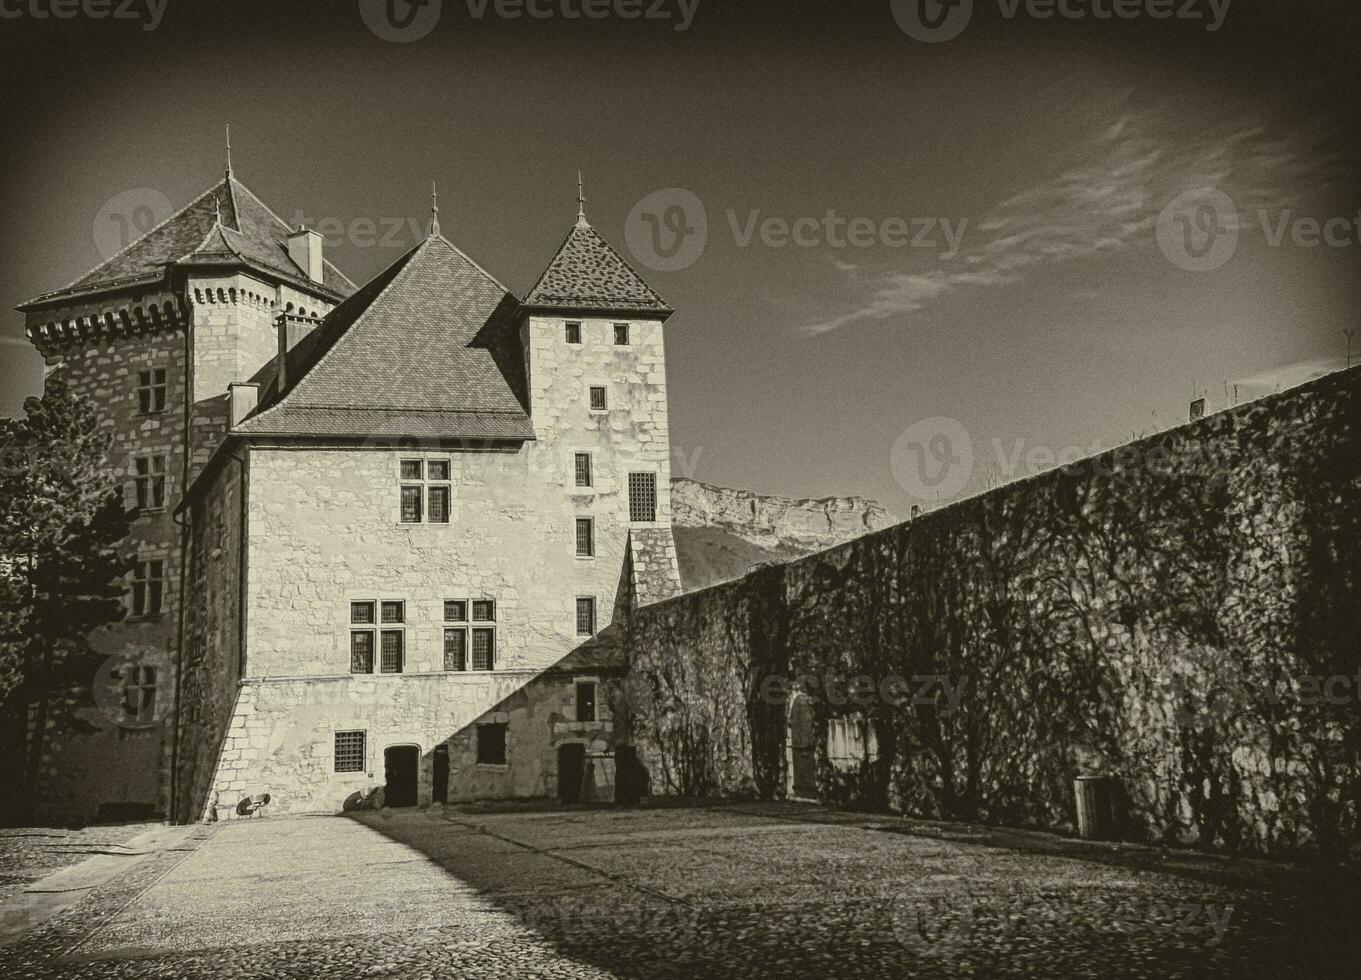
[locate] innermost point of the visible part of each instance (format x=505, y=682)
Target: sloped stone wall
x=1183, y=613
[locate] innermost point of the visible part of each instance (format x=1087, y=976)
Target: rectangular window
x=585, y=537
x=586, y=701
x=574, y=333
x=394, y=650
x=456, y=649
x=413, y=469
x=643, y=498
x=585, y=474
x=484, y=649
x=150, y=479
x=361, y=651
x=151, y=389
x=394, y=612
x=411, y=505
x=621, y=334
x=148, y=587
x=599, y=402
x=439, y=505
x=586, y=616
x=361, y=613
x=484, y=610
x=438, y=470
x=350, y=751
x=456, y=610
x=491, y=745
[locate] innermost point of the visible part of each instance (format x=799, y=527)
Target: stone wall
x=1181, y=613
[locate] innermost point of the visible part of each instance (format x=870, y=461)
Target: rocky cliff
x=721, y=533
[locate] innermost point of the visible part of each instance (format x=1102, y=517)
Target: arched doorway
x=802, y=752
x=402, y=768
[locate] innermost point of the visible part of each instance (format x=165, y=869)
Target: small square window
x=621, y=334
x=456, y=610
x=585, y=475
x=394, y=612
x=491, y=745
x=574, y=333
x=484, y=649
x=599, y=401
x=586, y=701
x=484, y=610
x=361, y=613
x=456, y=649
x=411, y=505
x=413, y=469
x=439, y=505
x=585, y=537
x=349, y=753
x=438, y=470
x=361, y=652
x=394, y=651
x=586, y=616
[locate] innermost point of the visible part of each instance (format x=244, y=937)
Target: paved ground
x=684, y=892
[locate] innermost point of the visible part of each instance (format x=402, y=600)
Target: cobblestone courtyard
x=682, y=892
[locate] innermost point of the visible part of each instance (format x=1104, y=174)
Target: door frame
x=415, y=747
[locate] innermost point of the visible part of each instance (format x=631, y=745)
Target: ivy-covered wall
x=1183, y=613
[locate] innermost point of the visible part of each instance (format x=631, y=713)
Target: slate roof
x=251, y=234
x=588, y=274
x=427, y=349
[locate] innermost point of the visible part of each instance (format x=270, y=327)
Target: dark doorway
x=630, y=778
x=441, y=775
x=403, y=766
x=571, y=769
x=802, y=753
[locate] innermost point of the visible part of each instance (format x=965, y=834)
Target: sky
x=904, y=269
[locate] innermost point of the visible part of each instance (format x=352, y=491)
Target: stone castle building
x=378, y=530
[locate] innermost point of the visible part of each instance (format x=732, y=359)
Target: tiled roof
x=427, y=349
x=588, y=274
x=251, y=234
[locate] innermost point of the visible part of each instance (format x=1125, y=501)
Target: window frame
x=363, y=737
x=152, y=382
x=504, y=729
x=471, y=626
x=573, y=328
x=152, y=483
x=604, y=399
x=593, y=701
x=655, y=502
x=146, y=585
x=369, y=627
x=589, y=458
x=589, y=523
x=594, y=614
x=425, y=487
x=627, y=329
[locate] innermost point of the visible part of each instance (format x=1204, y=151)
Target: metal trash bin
x=1095, y=807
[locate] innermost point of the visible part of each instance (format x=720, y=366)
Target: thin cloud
x=1105, y=201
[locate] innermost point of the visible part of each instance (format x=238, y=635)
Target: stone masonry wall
x=1181, y=613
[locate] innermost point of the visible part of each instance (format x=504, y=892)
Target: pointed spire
x=581, y=200
x=229, y=151
x=434, y=210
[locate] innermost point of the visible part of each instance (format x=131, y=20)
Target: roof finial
x=434, y=210
x=229, y=150
x=217, y=209
x=581, y=200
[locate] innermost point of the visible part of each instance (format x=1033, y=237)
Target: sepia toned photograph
x=680, y=489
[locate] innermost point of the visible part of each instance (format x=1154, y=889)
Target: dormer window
x=574, y=333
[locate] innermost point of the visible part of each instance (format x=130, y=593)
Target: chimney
x=292, y=328
x=244, y=397
x=304, y=248
x=1197, y=409
x=916, y=511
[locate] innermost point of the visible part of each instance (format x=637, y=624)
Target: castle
x=371, y=523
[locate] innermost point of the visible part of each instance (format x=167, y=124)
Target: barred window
x=439, y=505
x=411, y=504
x=393, y=650
x=599, y=401
x=456, y=649
x=484, y=649
x=413, y=469
x=491, y=745
x=574, y=333
x=150, y=480
x=148, y=587
x=426, y=491
x=643, y=498
x=584, y=474
x=585, y=537
x=361, y=613
x=456, y=610
x=586, y=701
x=361, y=651
x=151, y=391
x=394, y=611
x=350, y=751
x=484, y=610
x=586, y=616
x=621, y=334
